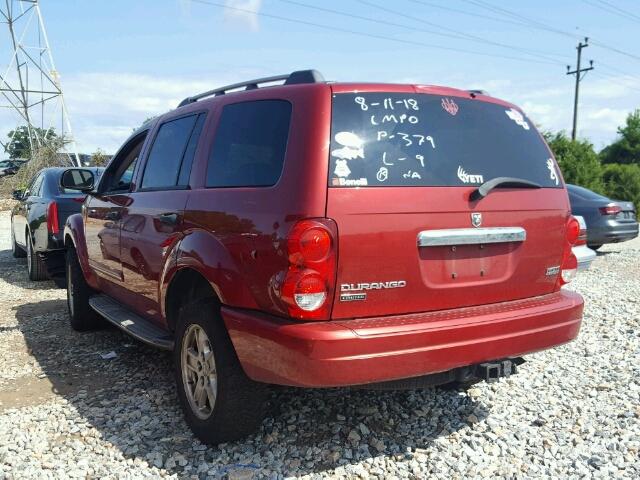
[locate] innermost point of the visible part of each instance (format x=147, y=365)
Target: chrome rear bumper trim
x=471, y=236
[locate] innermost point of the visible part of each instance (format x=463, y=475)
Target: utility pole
x=29, y=82
x=578, y=73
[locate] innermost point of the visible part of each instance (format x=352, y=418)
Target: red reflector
x=53, y=224
x=610, y=210
x=573, y=230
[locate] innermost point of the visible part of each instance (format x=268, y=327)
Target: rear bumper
x=612, y=233
x=585, y=256
x=370, y=350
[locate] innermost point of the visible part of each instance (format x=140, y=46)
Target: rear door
x=411, y=239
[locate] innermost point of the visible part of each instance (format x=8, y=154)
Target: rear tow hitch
x=491, y=371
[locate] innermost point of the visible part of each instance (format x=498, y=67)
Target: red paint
x=250, y=243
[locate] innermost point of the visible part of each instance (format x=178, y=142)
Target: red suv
x=321, y=234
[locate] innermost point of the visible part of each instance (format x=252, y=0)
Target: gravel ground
x=571, y=412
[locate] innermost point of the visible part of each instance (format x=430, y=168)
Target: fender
x=201, y=251
x=74, y=229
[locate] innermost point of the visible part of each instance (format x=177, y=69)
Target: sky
x=122, y=61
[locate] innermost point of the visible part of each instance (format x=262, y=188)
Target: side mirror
x=78, y=179
x=17, y=194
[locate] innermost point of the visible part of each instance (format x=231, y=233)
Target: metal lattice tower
x=30, y=90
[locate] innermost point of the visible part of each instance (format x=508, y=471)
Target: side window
x=250, y=144
x=36, y=186
x=118, y=177
x=171, y=145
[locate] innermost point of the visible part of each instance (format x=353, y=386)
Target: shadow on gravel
x=14, y=271
x=131, y=401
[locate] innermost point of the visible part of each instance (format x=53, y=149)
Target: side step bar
x=133, y=324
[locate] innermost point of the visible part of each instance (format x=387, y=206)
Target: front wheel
x=81, y=316
x=36, y=268
x=220, y=402
x=595, y=247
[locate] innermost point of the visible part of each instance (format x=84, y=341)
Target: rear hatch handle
x=501, y=182
x=471, y=236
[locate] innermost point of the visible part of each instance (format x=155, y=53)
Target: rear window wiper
x=501, y=182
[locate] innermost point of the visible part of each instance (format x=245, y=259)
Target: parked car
x=320, y=234
x=38, y=219
x=608, y=221
x=583, y=253
x=10, y=167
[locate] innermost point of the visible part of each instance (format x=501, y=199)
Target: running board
x=133, y=324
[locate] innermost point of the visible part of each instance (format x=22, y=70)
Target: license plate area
x=458, y=265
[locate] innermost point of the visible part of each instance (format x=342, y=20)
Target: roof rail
x=293, y=78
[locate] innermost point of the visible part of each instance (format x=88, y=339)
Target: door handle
x=170, y=218
x=112, y=215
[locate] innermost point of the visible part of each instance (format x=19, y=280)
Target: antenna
x=30, y=90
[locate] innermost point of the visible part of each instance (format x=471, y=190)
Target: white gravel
x=572, y=412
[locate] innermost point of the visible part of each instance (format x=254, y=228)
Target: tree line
x=614, y=171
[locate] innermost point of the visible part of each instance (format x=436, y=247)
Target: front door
x=103, y=215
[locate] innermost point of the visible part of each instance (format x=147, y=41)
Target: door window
x=171, y=145
x=119, y=175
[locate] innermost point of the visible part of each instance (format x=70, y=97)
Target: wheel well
x=186, y=286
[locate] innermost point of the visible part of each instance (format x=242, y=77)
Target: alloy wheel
x=199, y=374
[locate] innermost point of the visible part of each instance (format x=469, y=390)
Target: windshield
x=398, y=139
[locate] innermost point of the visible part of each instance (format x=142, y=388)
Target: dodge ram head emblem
x=476, y=219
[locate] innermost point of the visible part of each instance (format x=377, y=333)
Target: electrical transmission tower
x=30, y=91
x=578, y=72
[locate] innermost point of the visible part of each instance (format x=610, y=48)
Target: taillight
x=610, y=209
x=310, y=280
x=573, y=230
x=569, y=269
x=569, y=266
x=582, y=237
x=52, y=218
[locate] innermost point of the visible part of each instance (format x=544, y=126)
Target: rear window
x=392, y=139
x=584, y=194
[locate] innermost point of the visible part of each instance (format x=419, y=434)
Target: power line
x=610, y=8
x=364, y=34
x=542, y=26
x=459, y=33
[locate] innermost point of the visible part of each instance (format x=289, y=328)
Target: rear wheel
x=35, y=265
x=595, y=247
x=81, y=316
x=220, y=402
x=16, y=250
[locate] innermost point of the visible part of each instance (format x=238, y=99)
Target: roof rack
x=478, y=92
x=293, y=78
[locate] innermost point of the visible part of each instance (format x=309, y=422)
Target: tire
x=238, y=402
x=81, y=316
x=595, y=247
x=16, y=250
x=36, y=268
